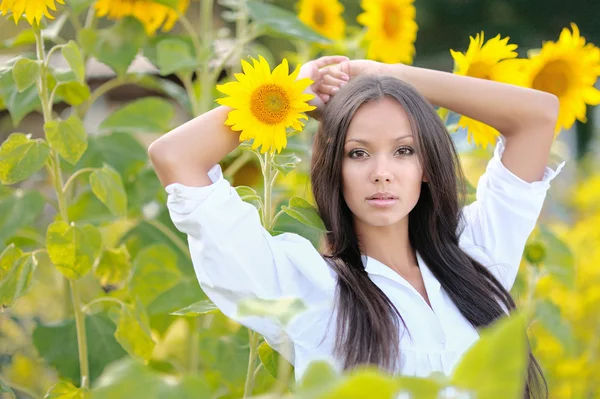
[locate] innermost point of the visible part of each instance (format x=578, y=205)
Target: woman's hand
x=327, y=77
x=354, y=68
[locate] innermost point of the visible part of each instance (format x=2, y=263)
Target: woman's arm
x=525, y=117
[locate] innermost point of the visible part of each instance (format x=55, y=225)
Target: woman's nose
x=382, y=171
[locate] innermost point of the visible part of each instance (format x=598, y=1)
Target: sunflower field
x=98, y=296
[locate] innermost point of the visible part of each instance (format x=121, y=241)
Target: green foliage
x=20, y=157
x=66, y=390
x=133, y=331
x=67, y=137
x=303, y=211
x=146, y=115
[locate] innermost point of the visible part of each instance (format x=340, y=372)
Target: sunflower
x=324, y=17
x=567, y=68
x=33, y=9
x=265, y=104
x=482, y=61
x=391, y=29
x=151, y=14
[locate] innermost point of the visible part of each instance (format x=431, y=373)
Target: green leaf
x=133, y=332
x=496, y=365
x=155, y=271
x=119, y=150
x=113, y=268
x=318, y=377
x=24, y=38
x=5, y=389
x=18, y=210
x=283, y=22
x=73, y=249
x=303, y=211
x=559, y=259
x=146, y=115
x=73, y=93
x=19, y=278
x=20, y=157
x=199, y=308
x=422, y=388
x=130, y=379
x=173, y=55
x=18, y=104
x=365, y=382
x=107, y=185
x=188, y=291
x=269, y=358
x=25, y=73
x=249, y=195
x=286, y=163
x=66, y=390
x=67, y=137
x=73, y=56
x=8, y=258
x=57, y=344
x=166, y=87
x=282, y=310
x=550, y=317
x=117, y=45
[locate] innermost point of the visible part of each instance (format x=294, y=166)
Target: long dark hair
x=367, y=320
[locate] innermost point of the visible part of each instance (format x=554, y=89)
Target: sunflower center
x=553, y=78
x=319, y=16
x=270, y=104
x=391, y=20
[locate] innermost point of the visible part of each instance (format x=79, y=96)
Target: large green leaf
x=174, y=55
x=130, y=379
x=18, y=210
x=73, y=56
x=285, y=163
x=67, y=137
x=269, y=358
x=73, y=93
x=57, y=344
x=107, y=185
x=187, y=291
x=73, y=249
x=115, y=46
x=559, y=259
x=365, y=382
x=133, y=331
x=550, y=317
x=146, y=115
x=113, y=268
x=283, y=22
x=303, y=211
x=66, y=390
x=25, y=73
x=17, y=104
x=119, y=150
x=167, y=87
x=25, y=37
x=496, y=365
x=20, y=157
x=319, y=377
x=282, y=310
x=18, y=277
x=155, y=271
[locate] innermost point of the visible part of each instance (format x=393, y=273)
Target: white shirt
x=234, y=257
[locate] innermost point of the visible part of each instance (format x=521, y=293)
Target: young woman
x=409, y=274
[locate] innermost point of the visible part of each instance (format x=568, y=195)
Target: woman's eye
x=405, y=151
x=357, y=154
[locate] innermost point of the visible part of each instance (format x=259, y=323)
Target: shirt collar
x=375, y=267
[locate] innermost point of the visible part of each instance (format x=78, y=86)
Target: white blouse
x=234, y=257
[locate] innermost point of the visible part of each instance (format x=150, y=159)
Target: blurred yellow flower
x=152, y=15
x=567, y=68
x=33, y=9
x=324, y=17
x=265, y=104
x=481, y=61
x=391, y=29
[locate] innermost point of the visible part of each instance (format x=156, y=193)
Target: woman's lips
x=382, y=203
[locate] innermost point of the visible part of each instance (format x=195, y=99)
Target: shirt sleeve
x=235, y=258
x=498, y=223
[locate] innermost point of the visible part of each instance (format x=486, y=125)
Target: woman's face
x=380, y=157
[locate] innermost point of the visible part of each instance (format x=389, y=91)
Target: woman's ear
x=425, y=179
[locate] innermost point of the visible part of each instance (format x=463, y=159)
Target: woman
x=409, y=275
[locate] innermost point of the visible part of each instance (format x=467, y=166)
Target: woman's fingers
x=332, y=81
x=328, y=89
x=330, y=59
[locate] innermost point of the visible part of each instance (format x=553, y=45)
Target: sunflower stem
x=56, y=176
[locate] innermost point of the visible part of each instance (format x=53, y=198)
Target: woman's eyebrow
x=367, y=142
